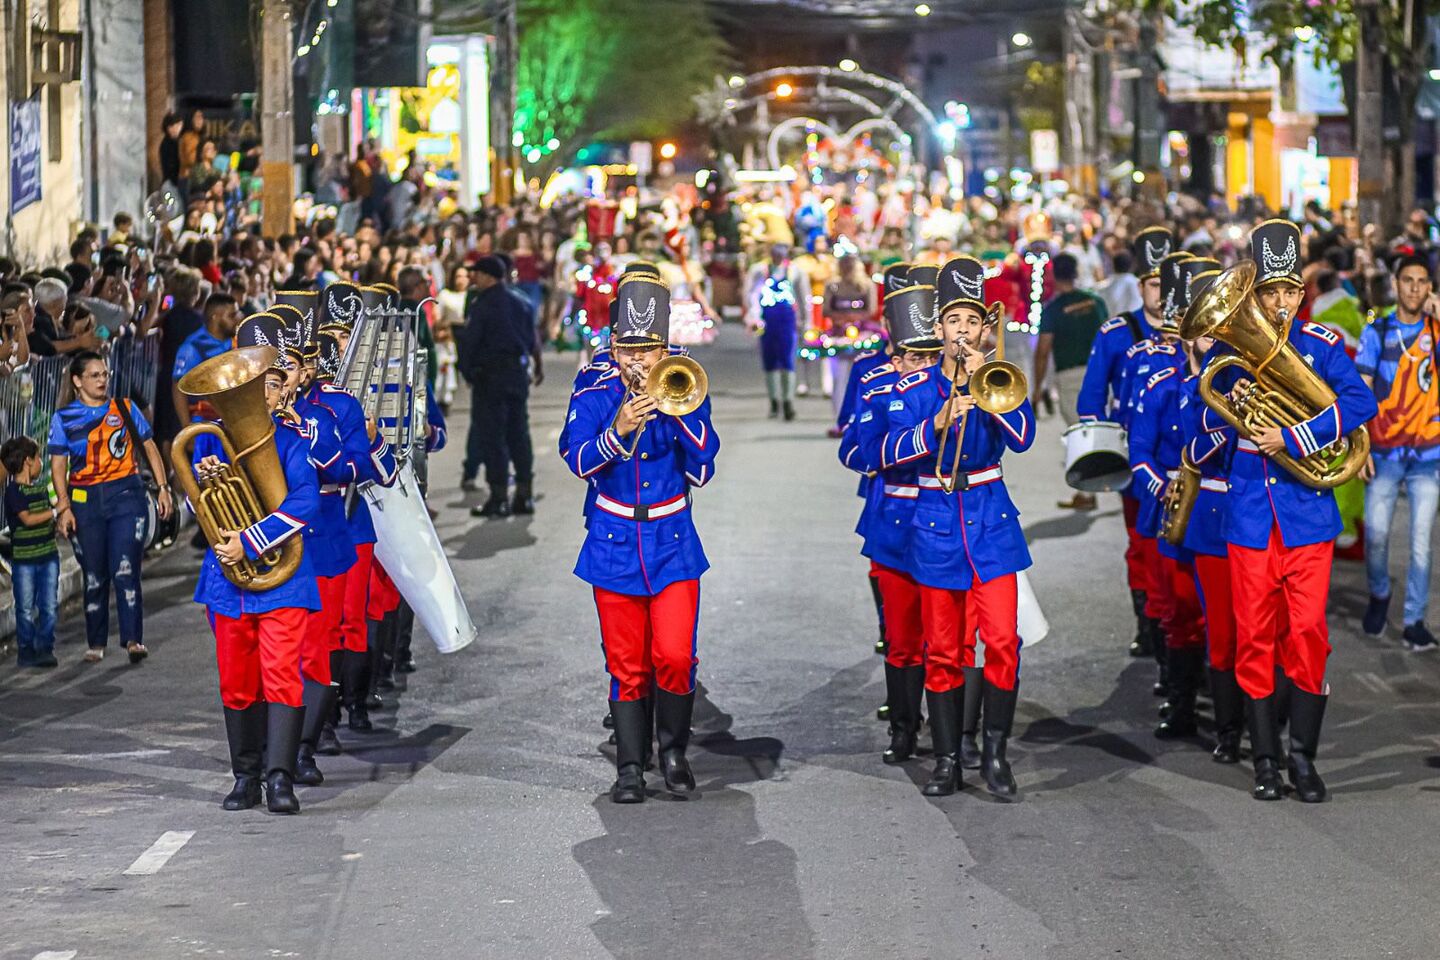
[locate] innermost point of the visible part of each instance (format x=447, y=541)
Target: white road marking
x=159, y=853
x=56, y=955
x=81, y=757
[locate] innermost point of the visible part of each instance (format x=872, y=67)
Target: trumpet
x=1283, y=390
x=678, y=384
x=998, y=386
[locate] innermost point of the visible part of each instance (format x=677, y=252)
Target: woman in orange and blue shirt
x=100, y=502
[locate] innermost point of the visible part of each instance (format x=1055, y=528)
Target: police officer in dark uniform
x=499, y=355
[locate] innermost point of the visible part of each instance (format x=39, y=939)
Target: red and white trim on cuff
x=642, y=511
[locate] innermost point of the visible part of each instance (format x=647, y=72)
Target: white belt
x=642, y=511
x=988, y=475
x=1212, y=483
x=905, y=491
x=1247, y=446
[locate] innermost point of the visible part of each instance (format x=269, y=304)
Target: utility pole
x=1147, y=109
x=277, y=116
x=1368, y=111
x=507, y=59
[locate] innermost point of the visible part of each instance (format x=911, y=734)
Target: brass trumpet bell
x=678, y=384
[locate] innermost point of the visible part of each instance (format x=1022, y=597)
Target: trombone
x=998, y=386
x=678, y=384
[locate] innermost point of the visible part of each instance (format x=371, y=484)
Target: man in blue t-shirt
x=1397, y=359
x=222, y=316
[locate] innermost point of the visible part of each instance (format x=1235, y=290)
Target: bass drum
x=407, y=546
x=1097, y=458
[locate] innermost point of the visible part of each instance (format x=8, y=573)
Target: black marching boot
x=970, y=718
x=999, y=718
x=1283, y=688
x=282, y=743
x=522, y=504
x=1143, y=644
x=317, y=699
x=904, y=714
x=1307, y=712
x=1265, y=746
x=1162, y=658
x=1187, y=666
x=945, y=728
x=672, y=736
x=245, y=730
x=882, y=645
x=355, y=689
x=329, y=745
x=375, y=632
x=1229, y=715
x=632, y=732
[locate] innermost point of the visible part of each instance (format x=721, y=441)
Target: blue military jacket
x=1156, y=441
x=1099, y=397
x=328, y=542
x=1211, y=453
x=1142, y=361
x=874, y=374
x=364, y=460
x=298, y=510
x=1264, y=494
x=968, y=535
x=623, y=552
x=855, y=384
x=895, y=490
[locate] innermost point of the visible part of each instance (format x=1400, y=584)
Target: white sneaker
x=94, y=654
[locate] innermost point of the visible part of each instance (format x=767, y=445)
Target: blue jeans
x=1422, y=487
x=37, y=595
x=109, y=540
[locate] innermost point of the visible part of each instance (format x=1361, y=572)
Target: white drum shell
x=1097, y=456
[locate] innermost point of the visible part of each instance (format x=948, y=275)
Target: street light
x=737, y=81
x=1021, y=39
x=922, y=9
x=849, y=65
x=667, y=151
x=783, y=90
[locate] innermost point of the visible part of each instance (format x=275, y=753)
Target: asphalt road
x=475, y=825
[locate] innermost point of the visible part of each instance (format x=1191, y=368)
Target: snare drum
x=1097, y=456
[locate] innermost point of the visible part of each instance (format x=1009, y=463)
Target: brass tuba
x=252, y=484
x=998, y=386
x=1283, y=390
x=678, y=384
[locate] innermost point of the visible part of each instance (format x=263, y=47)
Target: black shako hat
x=1275, y=248
x=642, y=268
x=642, y=312
x=306, y=301
x=1196, y=274
x=894, y=277
x=292, y=327
x=911, y=315
x=1151, y=246
x=266, y=330
x=341, y=305
x=1172, y=292
x=962, y=284
x=924, y=274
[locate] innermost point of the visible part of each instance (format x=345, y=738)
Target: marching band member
x=259, y=635
x=1100, y=398
x=1281, y=532
x=1156, y=442
x=368, y=459
x=642, y=556
x=890, y=509
x=1204, y=534
x=966, y=543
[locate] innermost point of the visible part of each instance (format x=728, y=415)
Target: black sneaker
x=1418, y=639
x=1375, y=612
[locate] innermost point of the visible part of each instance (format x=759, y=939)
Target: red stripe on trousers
x=1214, y=574
x=904, y=628
x=1136, y=574
x=645, y=635
x=357, y=596
x=951, y=618
x=259, y=656
x=322, y=629
x=1266, y=584
x=1186, y=625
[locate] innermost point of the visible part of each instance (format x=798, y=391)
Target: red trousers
x=322, y=629
x=1185, y=627
x=1214, y=574
x=645, y=635
x=384, y=596
x=1159, y=594
x=259, y=656
x=950, y=633
x=357, y=598
x=1136, y=574
x=1267, y=584
x=904, y=628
